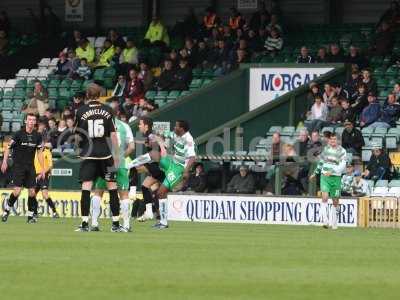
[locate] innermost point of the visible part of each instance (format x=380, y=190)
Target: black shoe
x=5, y=215
x=115, y=228
x=95, y=228
x=84, y=227
x=31, y=220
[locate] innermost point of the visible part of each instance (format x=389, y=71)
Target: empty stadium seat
x=381, y=188
x=22, y=74
x=44, y=63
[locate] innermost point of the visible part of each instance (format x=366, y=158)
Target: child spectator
x=84, y=71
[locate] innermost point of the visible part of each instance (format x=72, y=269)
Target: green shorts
x=173, y=172
x=122, y=181
x=331, y=185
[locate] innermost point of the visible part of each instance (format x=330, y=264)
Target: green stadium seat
x=381, y=183
x=7, y=114
x=86, y=83
x=161, y=96
x=8, y=104
x=185, y=93
x=394, y=183
x=98, y=75
x=274, y=129
x=383, y=95
x=15, y=126
x=9, y=94
x=195, y=84
x=288, y=131
x=5, y=127
x=160, y=102
x=21, y=83
x=150, y=95
x=391, y=71
x=66, y=83
x=109, y=73
x=391, y=142
x=54, y=83
x=382, y=82
x=173, y=95
x=18, y=104
x=208, y=73
x=76, y=84
x=206, y=81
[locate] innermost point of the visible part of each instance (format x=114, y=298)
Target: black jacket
x=377, y=162
x=198, y=183
x=353, y=139
x=182, y=79
x=166, y=80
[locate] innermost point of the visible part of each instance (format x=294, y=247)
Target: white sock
x=163, y=211
x=132, y=192
x=125, y=212
x=95, y=210
x=324, y=213
x=333, y=216
x=115, y=218
x=85, y=219
x=29, y=213
x=149, y=210
x=140, y=160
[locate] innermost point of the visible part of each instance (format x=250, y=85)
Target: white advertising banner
x=246, y=4
x=74, y=10
x=256, y=210
x=266, y=84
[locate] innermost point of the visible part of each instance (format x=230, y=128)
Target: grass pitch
x=49, y=260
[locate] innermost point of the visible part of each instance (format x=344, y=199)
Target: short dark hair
x=30, y=115
x=327, y=134
x=147, y=121
x=83, y=59
x=184, y=125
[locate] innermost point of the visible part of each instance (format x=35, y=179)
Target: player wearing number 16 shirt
x=94, y=123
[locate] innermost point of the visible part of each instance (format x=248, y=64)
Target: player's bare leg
x=324, y=210
x=50, y=203
x=10, y=203
x=334, y=214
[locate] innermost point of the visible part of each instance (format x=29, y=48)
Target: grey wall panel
x=364, y=11
x=174, y=10
x=304, y=11
x=122, y=13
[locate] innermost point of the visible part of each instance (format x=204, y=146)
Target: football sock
x=85, y=205
x=125, y=212
x=334, y=212
x=141, y=208
x=32, y=206
x=11, y=201
x=149, y=209
x=163, y=211
x=50, y=203
x=140, y=160
x=115, y=207
x=147, y=197
x=95, y=210
x=324, y=213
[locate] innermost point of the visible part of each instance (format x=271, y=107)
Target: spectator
x=335, y=55
x=389, y=114
x=173, y=57
x=276, y=147
x=157, y=34
x=116, y=39
x=302, y=143
x=242, y=183
x=371, y=113
x=220, y=58
x=347, y=112
x=260, y=18
x=274, y=24
x=38, y=100
x=129, y=57
x=354, y=58
x=314, y=92
x=352, y=84
x=210, y=21
x=396, y=91
x=235, y=20
x=391, y=15
x=360, y=99
x=85, y=50
x=304, y=57
x=203, y=54
x=167, y=76
x=75, y=40
x=77, y=102
x=120, y=87
x=227, y=35
x=134, y=90
x=84, y=71
x=73, y=63
x=189, y=26
x=106, y=54
x=382, y=43
x=3, y=43
x=322, y=57
x=360, y=187
x=5, y=24
x=290, y=171
x=114, y=61
x=334, y=115
x=212, y=40
x=254, y=42
x=197, y=180
x=379, y=165
x=274, y=42
x=329, y=93
x=340, y=92
x=352, y=139
x=62, y=68
x=314, y=146
x=369, y=82
x=183, y=76
x=347, y=181
x=146, y=76
x=191, y=50
x=317, y=116
x=141, y=109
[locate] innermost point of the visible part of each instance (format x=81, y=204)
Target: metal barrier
x=379, y=212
